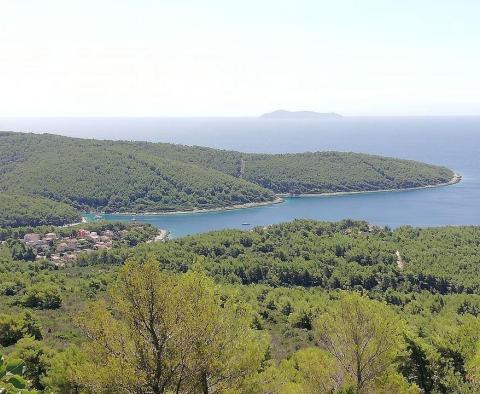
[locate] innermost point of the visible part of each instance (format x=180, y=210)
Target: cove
x=422, y=208
x=450, y=141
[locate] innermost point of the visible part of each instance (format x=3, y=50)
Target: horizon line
x=236, y=116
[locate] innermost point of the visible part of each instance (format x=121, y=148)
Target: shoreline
x=280, y=198
x=162, y=236
x=277, y=200
x=84, y=220
x=455, y=179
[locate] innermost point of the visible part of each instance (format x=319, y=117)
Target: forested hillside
x=18, y=211
x=104, y=175
x=313, y=172
x=274, y=310
x=152, y=177
x=343, y=255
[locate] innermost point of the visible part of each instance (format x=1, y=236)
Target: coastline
x=82, y=221
x=280, y=198
x=455, y=179
x=277, y=200
x=162, y=235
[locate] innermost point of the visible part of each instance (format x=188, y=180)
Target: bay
x=453, y=142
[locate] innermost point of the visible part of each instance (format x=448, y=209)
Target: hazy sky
x=234, y=58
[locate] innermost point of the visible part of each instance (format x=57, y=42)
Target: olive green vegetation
x=140, y=177
x=137, y=232
x=18, y=211
x=349, y=255
x=105, y=175
x=163, y=333
x=299, y=307
x=12, y=379
x=312, y=172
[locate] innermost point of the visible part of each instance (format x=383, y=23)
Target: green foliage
x=363, y=336
x=12, y=376
x=58, y=172
x=42, y=296
x=325, y=172
x=31, y=326
x=316, y=370
x=114, y=176
x=445, y=258
x=21, y=210
x=16, y=326
x=36, y=357
x=163, y=333
x=11, y=329
x=292, y=283
x=62, y=375
x=317, y=172
x=343, y=255
x=19, y=251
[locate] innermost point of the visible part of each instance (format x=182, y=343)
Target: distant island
x=282, y=114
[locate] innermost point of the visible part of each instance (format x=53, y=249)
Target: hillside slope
x=343, y=255
x=104, y=175
x=311, y=172
x=143, y=177
x=18, y=211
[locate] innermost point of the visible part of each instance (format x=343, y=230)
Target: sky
x=239, y=58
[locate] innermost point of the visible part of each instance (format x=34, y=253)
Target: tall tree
x=164, y=333
x=363, y=336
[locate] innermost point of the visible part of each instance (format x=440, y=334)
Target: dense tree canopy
x=312, y=172
x=300, y=307
x=18, y=211
x=116, y=176
x=165, y=334
x=343, y=255
x=113, y=176
x=363, y=337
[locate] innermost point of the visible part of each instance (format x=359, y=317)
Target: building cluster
x=61, y=250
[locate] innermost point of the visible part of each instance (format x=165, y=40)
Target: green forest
x=18, y=211
x=298, y=307
x=116, y=176
x=312, y=172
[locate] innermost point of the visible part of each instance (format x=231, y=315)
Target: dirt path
x=400, y=261
x=242, y=167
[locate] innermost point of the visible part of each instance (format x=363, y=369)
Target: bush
x=15, y=327
x=11, y=288
x=19, y=251
x=11, y=376
x=11, y=329
x=37, y=358
x=62, y=374
x=42, y=296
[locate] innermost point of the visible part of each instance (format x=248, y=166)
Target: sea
x=453, y=142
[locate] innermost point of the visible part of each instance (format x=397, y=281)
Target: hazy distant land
x=282, y=114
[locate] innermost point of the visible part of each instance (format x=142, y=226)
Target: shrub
x=42, y=296
x=11, y=329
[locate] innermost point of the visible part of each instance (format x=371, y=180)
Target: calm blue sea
x=453, y=142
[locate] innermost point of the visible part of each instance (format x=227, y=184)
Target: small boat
x=245, y=224
x=98, y=217
x=134, y=219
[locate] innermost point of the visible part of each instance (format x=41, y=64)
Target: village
x=64, y=250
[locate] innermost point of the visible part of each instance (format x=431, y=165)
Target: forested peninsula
x=123, y=176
